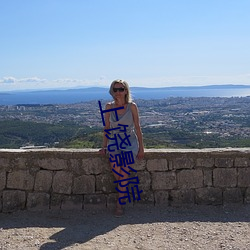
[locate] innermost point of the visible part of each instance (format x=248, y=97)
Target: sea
x=72, y=96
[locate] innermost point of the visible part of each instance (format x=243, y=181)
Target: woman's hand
x=102, y=151
x=140, y=154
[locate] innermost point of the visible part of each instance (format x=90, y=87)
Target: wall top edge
x=154, y=150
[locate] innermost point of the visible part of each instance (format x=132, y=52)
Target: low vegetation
x=16, y=133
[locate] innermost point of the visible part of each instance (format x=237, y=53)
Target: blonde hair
x=128, y=97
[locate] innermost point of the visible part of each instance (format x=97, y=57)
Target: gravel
x=142, y=227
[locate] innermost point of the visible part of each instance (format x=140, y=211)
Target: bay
x=87, y=94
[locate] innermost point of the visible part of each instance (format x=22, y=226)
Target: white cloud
x=32, y=80
x=8, y=80
x=12, y=80
x=67, y=80
x=11, y=83
x=81, y=82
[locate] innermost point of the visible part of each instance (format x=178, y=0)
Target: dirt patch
x=141, y=227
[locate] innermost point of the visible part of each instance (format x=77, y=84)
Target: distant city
x=178, y=122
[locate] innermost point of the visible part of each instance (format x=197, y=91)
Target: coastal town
x=199, y=117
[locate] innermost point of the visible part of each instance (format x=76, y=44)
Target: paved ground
x=141, y=228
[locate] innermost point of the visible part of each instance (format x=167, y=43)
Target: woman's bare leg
x=122, y=189
x=117, y=177
x=117, y=169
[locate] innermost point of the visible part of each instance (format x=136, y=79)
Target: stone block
x=13, y=200
x=247, y=196
x=1, y=201
x=21, y=162
x=244, y=177
x=161, y=198
x=2, y=180
x=62, y=182
x=52, y=163
x=144, y=180
x=163, y=180
x=94, y=201
x=43, y=181
x=208, y=196
x=5, y=164
x=224, y=162
x=232, y=195
x=72, y=202
x=183, y=163
x=75, y=166
x=205, y=162
x=190, y=178
x=56, y=201
x=225, y=177
x=105, y=183
x=95, y=166
x=38, y=201
x=111, y=200
x=208, y=177
x=84, y=184
x=170, y=165
x=242, y=162
x=146, y=197
x=181, y=197
x=139, y=165
x=157, y=165
x=20, y=179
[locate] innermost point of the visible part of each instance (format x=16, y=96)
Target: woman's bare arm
x=137, y=125
x=107, y=126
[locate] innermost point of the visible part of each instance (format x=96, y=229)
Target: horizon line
x=100, y=87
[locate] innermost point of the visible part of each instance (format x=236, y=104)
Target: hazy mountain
x=75, y=95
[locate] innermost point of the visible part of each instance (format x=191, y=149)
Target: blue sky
x=151, y=43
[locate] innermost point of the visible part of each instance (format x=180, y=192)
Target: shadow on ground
x=82, y=226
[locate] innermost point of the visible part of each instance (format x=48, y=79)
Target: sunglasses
x=118, y=89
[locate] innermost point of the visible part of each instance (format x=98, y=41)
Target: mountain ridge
x=77, y=95
x=213, y=86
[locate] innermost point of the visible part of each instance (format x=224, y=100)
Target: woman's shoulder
x=109, y=105
x=133, y=104
x=133, y=107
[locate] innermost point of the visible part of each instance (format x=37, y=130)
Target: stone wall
x=82, y=179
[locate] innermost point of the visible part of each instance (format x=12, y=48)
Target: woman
x=120, y=92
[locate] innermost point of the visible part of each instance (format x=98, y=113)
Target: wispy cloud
x=8, y=80
x=68, y=80
x=13, y=83
x=32, y=80
x=12, y=80
x=101, y=81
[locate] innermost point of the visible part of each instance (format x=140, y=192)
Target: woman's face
x=119, y=91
